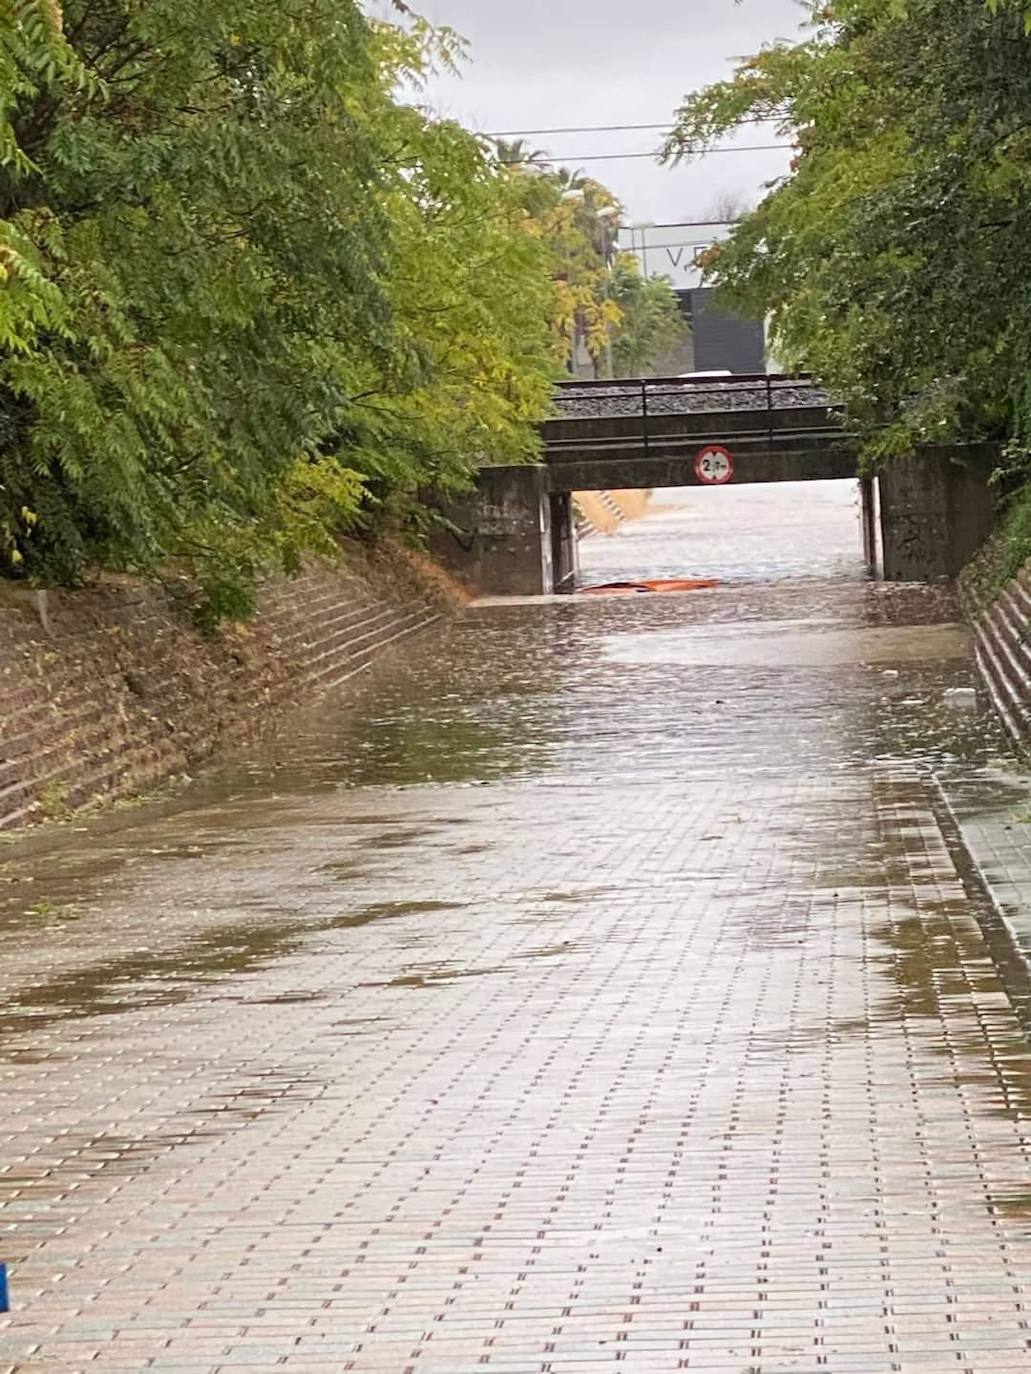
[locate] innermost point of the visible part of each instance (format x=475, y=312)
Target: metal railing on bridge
x=624, y=417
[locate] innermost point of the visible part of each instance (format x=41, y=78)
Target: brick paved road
x=615, y=998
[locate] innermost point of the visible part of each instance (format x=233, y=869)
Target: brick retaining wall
x=117, y=691
x=1003, y=637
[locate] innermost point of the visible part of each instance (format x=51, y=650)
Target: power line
x=684, y=224
x=611, y=128
x=623, y=157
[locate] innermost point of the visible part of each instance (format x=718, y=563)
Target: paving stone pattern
x=550, y=1013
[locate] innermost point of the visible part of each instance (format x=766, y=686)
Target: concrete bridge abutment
x=511, y=536
x=937, y=508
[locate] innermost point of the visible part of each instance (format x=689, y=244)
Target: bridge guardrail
x=643, y=411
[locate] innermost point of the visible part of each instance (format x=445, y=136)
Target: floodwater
x=605, y=981
x=747, y=533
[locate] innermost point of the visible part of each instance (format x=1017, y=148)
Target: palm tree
x=518, y=153
x=573, y=181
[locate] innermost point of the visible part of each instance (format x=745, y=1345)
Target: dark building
x=722, y=341
x=717, y=341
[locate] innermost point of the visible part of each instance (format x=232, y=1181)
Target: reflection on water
x=600, y=688
x=152, y=977
x=792, y=644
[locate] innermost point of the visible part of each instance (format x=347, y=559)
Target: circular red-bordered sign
x=714, y=465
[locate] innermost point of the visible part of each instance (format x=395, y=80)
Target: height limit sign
x=714, y=466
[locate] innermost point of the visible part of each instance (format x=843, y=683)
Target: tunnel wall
x=513, y=534
x=107, y=692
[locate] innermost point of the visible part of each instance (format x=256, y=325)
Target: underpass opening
x=696, y=537
x=921, y=519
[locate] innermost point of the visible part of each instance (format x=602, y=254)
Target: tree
x=204, y=203
x=31, y=45
x=894, y=259
x=248, y=296
x=600, y=297
x=727, y=207
x=518, y=153
x=578, y=223
x=470, y=296
x=650, y=320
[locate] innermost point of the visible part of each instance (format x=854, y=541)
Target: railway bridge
x=922, y=516
x=650, y=433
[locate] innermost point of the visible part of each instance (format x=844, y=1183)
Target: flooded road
x=604, y=983
x=747, y=533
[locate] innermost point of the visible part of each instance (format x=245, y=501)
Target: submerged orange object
x=614, y=589
x=680, y=584
x=655, y=584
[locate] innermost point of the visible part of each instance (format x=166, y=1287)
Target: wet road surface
x=802, y=530
x=604, y=985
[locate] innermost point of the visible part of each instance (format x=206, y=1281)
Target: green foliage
x=894, y=261
x=1014, y=548
x=33, y=52
x=251, y=298
x=599, y=294
x=247, y=298
x=470, y=298
x=202, y=207
x=1019, y=5
x=1006, y=552
x=650, y=320
x=53, y=800
x=577, y=220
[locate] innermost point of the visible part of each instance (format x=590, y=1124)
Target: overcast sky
x=547, y=63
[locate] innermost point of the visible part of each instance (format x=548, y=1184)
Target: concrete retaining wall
x=116, y=691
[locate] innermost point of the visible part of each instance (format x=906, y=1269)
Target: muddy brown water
x=593, y=963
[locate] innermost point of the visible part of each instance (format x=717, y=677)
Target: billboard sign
x=671, y=250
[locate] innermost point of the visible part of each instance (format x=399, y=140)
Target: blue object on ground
x=4, y=1306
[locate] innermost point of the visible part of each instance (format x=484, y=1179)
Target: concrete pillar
x=868, y=522
x=937, y=509
x=499, y=541
x=565, y=548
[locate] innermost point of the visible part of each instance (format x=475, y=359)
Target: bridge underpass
x=515, y=534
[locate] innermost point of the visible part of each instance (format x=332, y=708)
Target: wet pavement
x=608, y=983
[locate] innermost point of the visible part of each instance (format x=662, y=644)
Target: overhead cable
x=570, y=158
x=611, y=128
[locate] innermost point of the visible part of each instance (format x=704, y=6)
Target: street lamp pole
x=573, y=196
x=606, y=215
